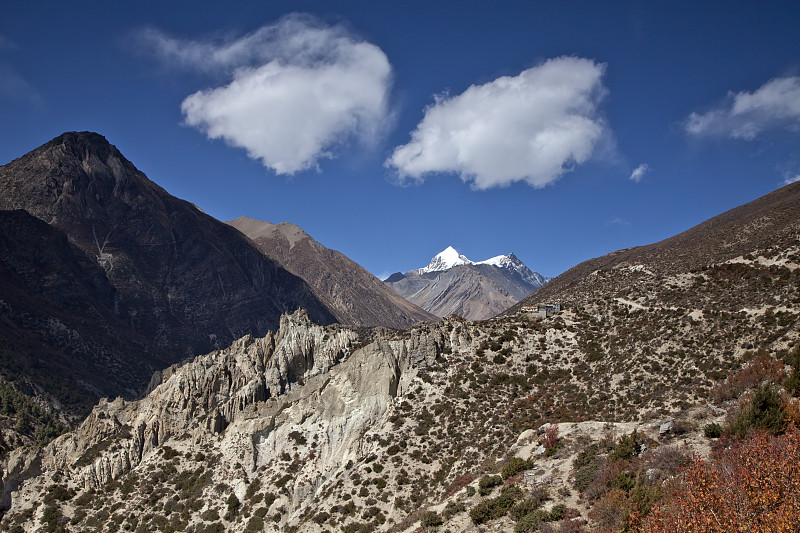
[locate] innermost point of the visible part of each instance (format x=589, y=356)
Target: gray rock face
x=244, y=402
x=170, y=282
x=353, y=295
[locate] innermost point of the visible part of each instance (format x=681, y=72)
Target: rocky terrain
x=514, y=423
x=452, y=284
x=352, y=294
x=768, y=224
x=115, y=279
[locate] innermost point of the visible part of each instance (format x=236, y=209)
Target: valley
x=574, y=420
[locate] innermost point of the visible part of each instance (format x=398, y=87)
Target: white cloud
x=744, y=115
x=619, y=222
x=297, y=90
x=791, y=179
x=639, y=172
x=533, y=127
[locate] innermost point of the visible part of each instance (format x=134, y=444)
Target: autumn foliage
x=754, y=485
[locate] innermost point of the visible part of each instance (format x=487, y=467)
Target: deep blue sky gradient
x=75, y=66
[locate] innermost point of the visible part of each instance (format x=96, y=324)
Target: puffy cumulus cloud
x=639, y=172
x=298, y=90
x=532, y=127
x=745, y=115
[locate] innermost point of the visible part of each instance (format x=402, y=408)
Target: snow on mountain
x=475, y=290
x=511, y=262
x=450, y=258
x=445, y=260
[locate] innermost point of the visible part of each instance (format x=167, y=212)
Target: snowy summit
x=445, y=260
x=450, y=258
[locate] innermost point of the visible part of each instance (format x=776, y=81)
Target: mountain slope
x=165, y=279
x=452, y=284
x=335, y=428
x=352, y=294
x=763, y=224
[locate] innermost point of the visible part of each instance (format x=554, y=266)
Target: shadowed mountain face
x=772, y=221
x=166, y=280
x=353, y=295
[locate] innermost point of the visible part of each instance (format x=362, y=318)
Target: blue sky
x=390, y=130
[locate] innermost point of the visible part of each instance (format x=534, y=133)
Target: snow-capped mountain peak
x=444, y=260
x=476, y=290
x=498, y=261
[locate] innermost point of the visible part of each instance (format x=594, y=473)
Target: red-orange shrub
x=752, y=486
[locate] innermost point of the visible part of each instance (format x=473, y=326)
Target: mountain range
x=107, y=279
x=452, y=284
x=580, y=417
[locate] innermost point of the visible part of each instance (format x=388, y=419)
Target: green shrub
x=523, y=508
x=431, y=519
x=60, y=493
x=494, y=508
x=713, y=430
x=557, y=512
x=252, y=488
x=487, y=483
x=297, y=437
x=453, y=508
x=530, y=522
x=210, y=515
x=627, y=447
x=792, y=383
x=233, y=504
x=256, y=523
x=764, y=411
x=168, y=452
x=515, y=466
x=483, y=512
x=585, y=475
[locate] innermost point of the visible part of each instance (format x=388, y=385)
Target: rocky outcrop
x=331, y=384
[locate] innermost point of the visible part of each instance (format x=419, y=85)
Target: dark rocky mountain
x=352, y=294
x=120, y=279
x=452, y=284
x=59, y=319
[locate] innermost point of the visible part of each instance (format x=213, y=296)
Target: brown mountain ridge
x=352, y=294
x=767, y=222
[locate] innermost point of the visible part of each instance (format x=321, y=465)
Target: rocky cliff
x=309, y=393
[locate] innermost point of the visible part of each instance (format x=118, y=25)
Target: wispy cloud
x=618, y=221
x=297, y=90
x=12, y=84
x=789, y=179
x=639, y=172
x=745, y=115
x=532, y=127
